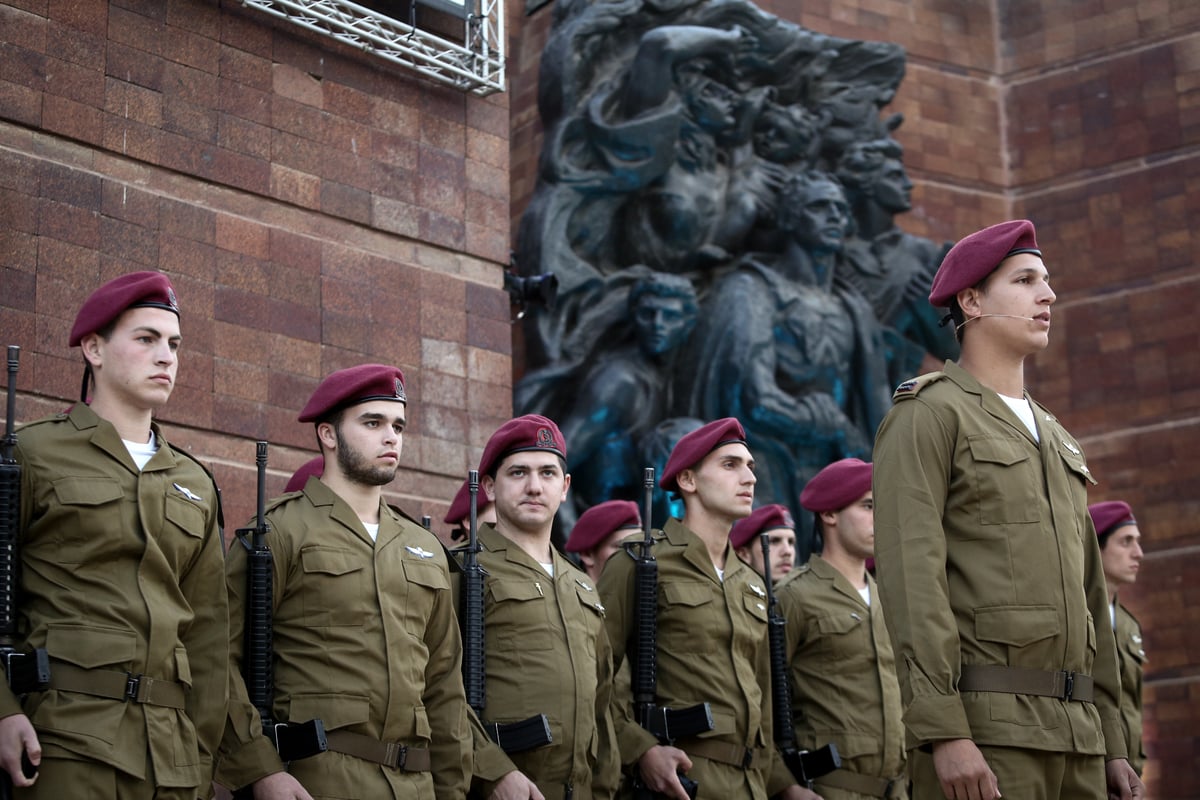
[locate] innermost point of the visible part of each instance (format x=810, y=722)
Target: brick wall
x=1085, y=118
x=314, y=208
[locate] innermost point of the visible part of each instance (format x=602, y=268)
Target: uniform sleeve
x=1106, y=675
x=913, y=456
x=606, y=779
x=445, y=701
x=206, y=640
x=245, y=754
x=616, y=592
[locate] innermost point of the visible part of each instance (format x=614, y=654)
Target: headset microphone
x=981, y=316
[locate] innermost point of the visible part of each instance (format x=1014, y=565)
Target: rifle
x=805, y=765
x=666, y=724
x=291, y=739
x=26, y=672
x=513, y=737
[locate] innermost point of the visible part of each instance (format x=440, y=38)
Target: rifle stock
x=292, y=740
x=805, y=765
x=25, y=672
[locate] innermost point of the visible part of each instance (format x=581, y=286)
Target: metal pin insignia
x=757, y=590
x=419, y=552
x=186, y=492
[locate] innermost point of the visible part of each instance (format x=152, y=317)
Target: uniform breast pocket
x=517, y=615
x=841, y=635
x=425, y=580
x=1006, y=480
x=335, y=585
x=684, y=610
x=85, y=505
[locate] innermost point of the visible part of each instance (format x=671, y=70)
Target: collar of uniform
x=322, y=496
x=104, y=436
x=828, y=572
x=496, y=542
x=696, y=552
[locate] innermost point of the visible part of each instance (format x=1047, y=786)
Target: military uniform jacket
x=1131, y=656
x=986, y=555
x=712, y=647
x=547, y=653
x=842, y=670
x=121, y=571
x=365, y=640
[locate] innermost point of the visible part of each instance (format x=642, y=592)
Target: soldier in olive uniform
x=1121, y=554
x=546, y=647
x=121, y=574
x=776, y=521
x=843, y=672
x=712, y=631
x=988, y=566
x=364, y=632
x=598, y=532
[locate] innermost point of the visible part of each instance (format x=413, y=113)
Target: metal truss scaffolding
x=476, y=65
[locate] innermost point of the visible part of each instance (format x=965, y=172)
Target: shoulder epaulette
x=913, y=386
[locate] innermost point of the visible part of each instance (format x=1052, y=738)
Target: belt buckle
x=396, y=755
x=133, y=685
x=1068, y=685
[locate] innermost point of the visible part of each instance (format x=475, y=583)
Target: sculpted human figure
x=790, y=350
x=624, y=394
x=893, y=269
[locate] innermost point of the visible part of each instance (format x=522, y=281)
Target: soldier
x=121, y=573
x=843, y=672
x=547, y=652
x=988, y=569
x=1121, y=554
x=364, y=632
x=712, y=630
x=598, y=533
x=776, y=521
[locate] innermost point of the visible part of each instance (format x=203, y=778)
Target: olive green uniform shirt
x=986, y=554
x=1131, y=656
x=365, y=640
x=547, y=653
x=712, y=647
x=842, y=673
x=121, y=570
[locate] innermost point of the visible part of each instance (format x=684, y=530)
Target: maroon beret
x=349, y=387
x=598, y=523
x=694, y=446
x=530, y=432
x=313, y=468
x=1111, y=514
x=764, y=518
x=837, y=486
x=134, y=290
x=972, y=259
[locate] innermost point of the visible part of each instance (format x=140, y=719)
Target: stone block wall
x=315, y=208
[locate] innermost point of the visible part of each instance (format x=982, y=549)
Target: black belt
x=1018, y=680
x=389, y=754
x=117, y=685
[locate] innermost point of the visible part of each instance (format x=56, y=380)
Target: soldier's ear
x=327, y=436
x=488, y=484
x=686, y=480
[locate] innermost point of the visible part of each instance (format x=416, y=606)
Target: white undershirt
x=1112, y=613
x=865, y=594
x=142, y=452
x=1020, y=406
x=549, y=568
x=720, y=573
x=372, y=529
